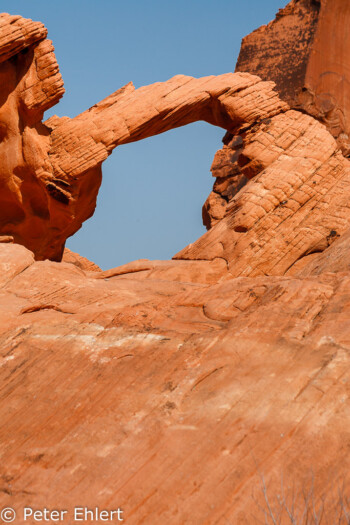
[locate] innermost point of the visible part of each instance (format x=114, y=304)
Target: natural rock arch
x=51, y=172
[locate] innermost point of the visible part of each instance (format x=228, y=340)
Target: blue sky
x=152, y=193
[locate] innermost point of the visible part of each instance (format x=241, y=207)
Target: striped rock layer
x=305, y=52
x=163, y=389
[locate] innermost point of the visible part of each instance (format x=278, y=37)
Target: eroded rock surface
x=294, y=203
x=176, y=390
x=79, y=261
x=277, y=202
x=158, y=389
x=305, y=51
x=51, y=172
x=278, y=166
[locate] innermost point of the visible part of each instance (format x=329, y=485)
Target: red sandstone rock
x=305, y=51
x=168, y=397
x=173, y=388
x=294, y=204
x=296, y=175
x=336, y=258
x=50, y=179
x=205, y=272
x=17, y=34
x=79, y=261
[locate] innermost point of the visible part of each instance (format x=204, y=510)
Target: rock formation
x=305, y=52
x=158, y=388
x=297, y=51
x=194, y=391
x=295, y=201
x=51, y=178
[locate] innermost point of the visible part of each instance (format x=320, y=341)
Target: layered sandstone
x=51, y=172
x=294, y=202
x=206, y=389
x=305, y=52
x=18, y=34
x=78, y=260
x=279, y=167
x=155, y=388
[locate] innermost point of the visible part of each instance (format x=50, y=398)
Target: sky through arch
x=150, y=201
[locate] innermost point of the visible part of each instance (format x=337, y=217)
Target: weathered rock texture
x=79, y=146
x=176, y=390
x=81, y=262
x=305, y=51
x=281, y=182
x=156, y=388
x=50, y=173
x=294, y=203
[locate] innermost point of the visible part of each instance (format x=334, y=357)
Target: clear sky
x=150, y=202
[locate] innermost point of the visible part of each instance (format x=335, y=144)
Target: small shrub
x=301, y=506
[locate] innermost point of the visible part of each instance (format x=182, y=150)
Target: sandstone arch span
x=51, y=172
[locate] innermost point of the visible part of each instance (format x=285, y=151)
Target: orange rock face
x=81, y=262
x=165, y=390
x=305, y=51
x=292, y=204
x=51, y=172
x=279, y=166
x=203, y=390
